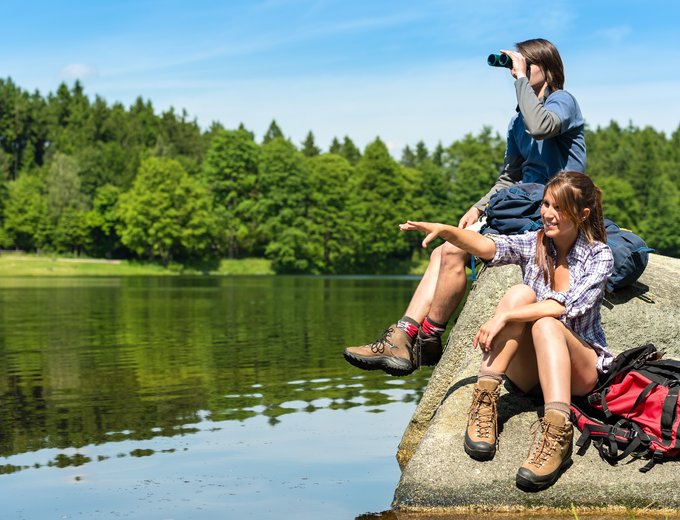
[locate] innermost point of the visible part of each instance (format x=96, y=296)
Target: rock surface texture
x=437, y=475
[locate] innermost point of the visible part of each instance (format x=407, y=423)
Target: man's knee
x=436, y=254
x=453, y=256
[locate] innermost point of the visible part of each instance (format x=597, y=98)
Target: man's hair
x=544, y=54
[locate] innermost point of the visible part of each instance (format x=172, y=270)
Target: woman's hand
x=432, y=230
x=484, y=339
x=469, y=218
x=519, y=64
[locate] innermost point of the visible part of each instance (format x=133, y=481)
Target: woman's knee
x=518, y=295
x=547, y=327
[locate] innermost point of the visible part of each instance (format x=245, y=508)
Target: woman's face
x=556, y=224
x=537, y=79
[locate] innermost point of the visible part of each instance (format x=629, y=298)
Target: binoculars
x=499, y=60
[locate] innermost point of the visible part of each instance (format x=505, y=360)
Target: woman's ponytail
x=597, y=218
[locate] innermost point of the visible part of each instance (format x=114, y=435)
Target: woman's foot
x=481, y=436
x=550, y=456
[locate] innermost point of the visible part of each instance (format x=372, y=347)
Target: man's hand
x=469, y=218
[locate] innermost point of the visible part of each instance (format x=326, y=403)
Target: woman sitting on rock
x=546, y=334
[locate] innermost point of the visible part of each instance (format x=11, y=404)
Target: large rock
x=438, y=475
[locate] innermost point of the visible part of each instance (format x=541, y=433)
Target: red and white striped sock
x=432, y=328
x=409, y=326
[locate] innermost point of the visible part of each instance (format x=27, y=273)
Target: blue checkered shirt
x=590, y=264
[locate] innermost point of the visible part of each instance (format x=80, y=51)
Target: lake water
x=205, y=398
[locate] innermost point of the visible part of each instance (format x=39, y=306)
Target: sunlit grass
x=15, y=264
x=630, y=514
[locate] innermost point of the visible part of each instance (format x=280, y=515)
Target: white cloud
x=79, y=71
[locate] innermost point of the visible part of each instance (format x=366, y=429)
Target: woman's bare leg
x=566, y=364
x=513, y=353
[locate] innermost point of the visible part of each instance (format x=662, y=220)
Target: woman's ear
x=586, y=214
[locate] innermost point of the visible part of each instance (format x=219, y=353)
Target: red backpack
x=634, y=409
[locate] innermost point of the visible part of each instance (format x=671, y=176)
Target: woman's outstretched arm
x=469, y=241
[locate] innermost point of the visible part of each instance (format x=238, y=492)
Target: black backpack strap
x=592, y=431
x=657, y=457
x=667, y=371
x=626, y=360
x=639, y=438
x=606, y=439
x=643, y=395
x=669, y=412
x=583, y=441
x=600, y=398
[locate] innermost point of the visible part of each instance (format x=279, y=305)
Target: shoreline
x=17, y=264
x=26, y=265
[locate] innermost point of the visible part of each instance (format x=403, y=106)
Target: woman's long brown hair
x=573, y=192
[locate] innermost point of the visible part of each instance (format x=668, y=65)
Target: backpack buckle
x=594, y=398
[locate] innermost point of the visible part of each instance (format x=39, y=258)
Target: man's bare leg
x=421, y=300
x=451, y=283
x=416, y=338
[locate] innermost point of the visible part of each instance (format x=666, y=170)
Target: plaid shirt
x=589, y=266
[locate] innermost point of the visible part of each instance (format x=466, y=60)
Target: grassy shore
x=19, y=264
x=15, y=264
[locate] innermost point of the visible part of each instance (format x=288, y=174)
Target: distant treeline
x=82, y=177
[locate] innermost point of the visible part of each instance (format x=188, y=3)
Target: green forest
x=82, y=177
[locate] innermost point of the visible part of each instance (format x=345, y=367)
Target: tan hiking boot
x=428, y=348
x=481, y=436
x=550, y=456
x=391, y=352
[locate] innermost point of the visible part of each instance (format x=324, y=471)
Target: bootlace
x=378, y=346
x=483, y=412
x=417, y=350
x=551, y=435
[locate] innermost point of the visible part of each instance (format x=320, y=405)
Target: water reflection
x=87, y=362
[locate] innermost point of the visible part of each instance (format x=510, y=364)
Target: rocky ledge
x=437, y=475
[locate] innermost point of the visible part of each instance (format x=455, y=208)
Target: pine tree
x=422, y=154
x=349, y=151
x=309, y=148
x=335, y=147
x=273, y=132
x=408, y=158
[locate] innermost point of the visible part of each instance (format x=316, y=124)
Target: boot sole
x=360, y=362
x=481, y=456
x=527, y=483
x=393, y=366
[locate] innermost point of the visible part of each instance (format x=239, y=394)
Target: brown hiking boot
x=550, y=456
x=428, y=348
x=481, y=435
x=391, y=352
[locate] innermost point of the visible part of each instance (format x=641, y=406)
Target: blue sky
x=402, y=70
